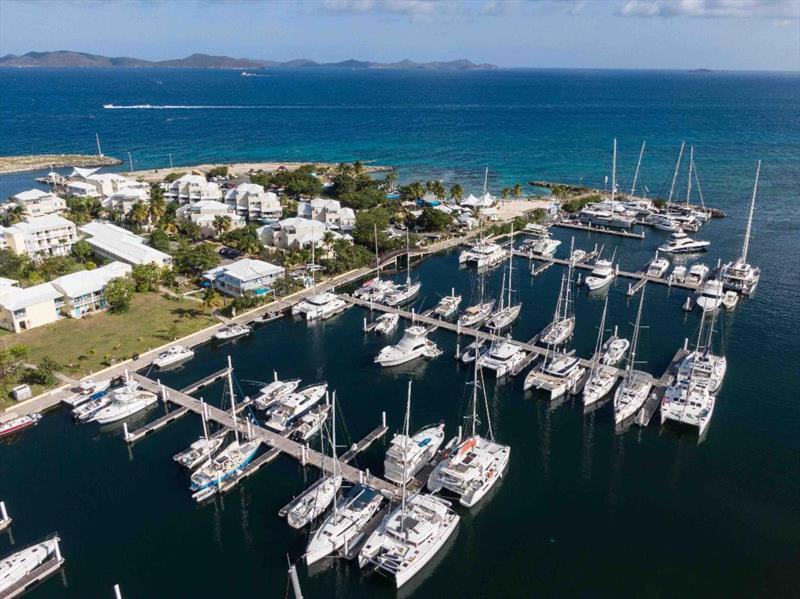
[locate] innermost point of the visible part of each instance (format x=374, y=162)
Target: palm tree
x=158, y=208
x=438, y=190
x=516, y=191
x=456, y=192
x=391, y=179
x=358, y=168
x=505, y=192
x=222, y=222
x=250, y=245
x=139, y=214
x=212, y=301
x=15, y=214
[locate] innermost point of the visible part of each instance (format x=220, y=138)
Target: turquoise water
x=582, y=511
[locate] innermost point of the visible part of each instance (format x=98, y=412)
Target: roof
x=208, y=205
x=40, y=223
x=121, y=243
x=14, y=298
x=32, y=195
x=81, y=185
x=86, y=281
x=248, y=188
x=300, y=223
x=107, y=177
x=246, y=269
x=190, y=178
x=82, y=172
x=6, y=282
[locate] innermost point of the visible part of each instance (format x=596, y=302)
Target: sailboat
x=475, y=316
x=375, y=289
x=508, y=312
x=473, y=465
x=351, y=513
x=404, y=293
x=560, y=330
x=199, y=451
x=636, y=384
x=230, y=460
x=601, y=377
x=738, y=275
x=411, y=535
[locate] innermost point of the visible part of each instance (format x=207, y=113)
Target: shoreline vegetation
x=33, y=162
x=241, y=169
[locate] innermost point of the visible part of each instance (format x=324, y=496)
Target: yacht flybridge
x=657, y=267
x=286, y=414
x=413, y=345
x=471, y=466
x=558, y=374
x=275, y=392
x=123, y=402
x=503, y=357
x=320, y=306
x=680, y=243
x=386, y=323
x=406, y=454
x=738, y=275
x=448, y=305
x=541, y=244
x=602, y=275
x=635, y=387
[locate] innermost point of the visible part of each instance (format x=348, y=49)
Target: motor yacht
x=559, y=374
x=320, y=306
x=666, y=222
x=233, y=331
x=680, y=243
x=310, y=423
x=696, y=275
x=448, y=305
x=375, y=290
x=272, y=394
x=602, y=275
x=88, y=390
x=503, y=357
x=710, y=297
x=386, y=323
x=578, y=256
x=614, y=349
x=407, y=455
x=124, y=402
x=413, y=345
x=657, y=267
x=15, y=567
x=730, y=299
x=199, y=451
x=678, y=274
x=286, y=414
x=173, y=356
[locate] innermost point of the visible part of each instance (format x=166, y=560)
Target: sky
x=649, y=34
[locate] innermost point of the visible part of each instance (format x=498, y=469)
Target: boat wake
x=176, y=107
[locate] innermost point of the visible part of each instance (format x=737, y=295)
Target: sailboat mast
x=377, y=255
x=638, y=165
x=408, y=260
x=600, y=334
x=486, y=182
x=614, y=170
x=333, y=450
x=233, y=399
x=675, y=174
x=406, y=433
x=746, y=245
x=475, y=395
x=502, y=295
x=635, y=341
x=510, y=265
x=99, y=151
x=691, y=168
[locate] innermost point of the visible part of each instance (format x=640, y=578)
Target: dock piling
x=383, y=419
x=125, y=434
x=298, y=594
x=117, y=592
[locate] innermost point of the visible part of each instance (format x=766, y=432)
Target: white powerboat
x=386, y=323
x=124, y=402
x=602, y=275
x=199, y=451
x=657, y=267
x=475, y=316
x=407, y=455
x=666, y=222
x=635, y=387
x=483, y=254
x=710, y=297
x=272, y=394
x=173, y=356
x=559, y=374
x=413, y=345
x=738, y=275
x=88, y=390
x=678, y=274
x=320, y=306
x=696, y=274
x=577, y=256
x=409, y=537
x=448, y=305
x=296, y=405
x=15, y=425
x=471, y=466
x=730, y=299
x=542, y=246
x=614, y=349
x=15, y=567
x=503, y=357
x=314, y=501
x=232, y=331
x=680, y=243
x=345, y=525
x=472, y=350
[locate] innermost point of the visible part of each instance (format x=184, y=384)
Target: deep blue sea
x=583, y=511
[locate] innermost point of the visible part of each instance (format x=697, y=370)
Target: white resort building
x=23, y=309
x=82, y=291
x=244, y=277
x=328, y=212
x=192, y=188
x=293, y=233
x=251, y=201
x=39, y=203
x=204, y=212
x=115, y=243
x=40, y=236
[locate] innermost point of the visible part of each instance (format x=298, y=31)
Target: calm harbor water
x=582, y=511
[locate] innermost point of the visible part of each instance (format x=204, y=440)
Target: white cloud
x=739, y=9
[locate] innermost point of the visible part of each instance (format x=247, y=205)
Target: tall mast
x=502, y=296
x=377, y=255
x=510, y=265
x=614, y=170
x=638, y=165
x=233, y=399
x=691, y=168
x=475, y=395
x=406, y=433
x=408, y=260
x=485, y=181
x=675, y=174
x=600, y=334
x=746, y=244
x=635, y=342
x=333, y=451
x=568, y=282
x=97, y=138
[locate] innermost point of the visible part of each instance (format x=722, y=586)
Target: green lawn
x=89, y=344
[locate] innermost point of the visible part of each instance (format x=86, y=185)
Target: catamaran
x=738, y=275
x=696, y=275
x=559, y=373
x=16, y=566
x=632, y=392
x=484, y=254
x=413, y=345
x=123, y=402
x=473, y=465
x=320, y=306
x=296, y=405
x=602, y=378
x=417, y=529
x=232, y=331
x=505, y=316
x=272, y=394
x=503, y=357
x=173, y=356
x=702, y=364
x=448, y=305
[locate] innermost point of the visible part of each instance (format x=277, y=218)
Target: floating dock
x=592, y=229
x=5, y=519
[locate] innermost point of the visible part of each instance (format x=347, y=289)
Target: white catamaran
x=738, y=275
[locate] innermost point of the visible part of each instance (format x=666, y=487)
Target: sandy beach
x=237, y=169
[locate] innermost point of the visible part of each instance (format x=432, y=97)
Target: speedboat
x=473, y=349
x=730, y=299
x=448, y=305
x=172, y=356
x=680, y=243
x=710, y=297
x=614, y=350
x=314, y=501
x=15, y=425
x=602, y=275
x=413, y=345
x=658, y=267
x=296, y=405
x=232, y=331
x=407, y=455
x=696, y=275
x=225, y=464
x=688, y=404
x=200, y=450
x=476, y=315
x=17, y=566
x=666, y=222
x=345, y=525
x=409, y=537
x=88, y=390
x=320, y=306
x=560, y=374
x=502, y=358
x=124, y=402
x=483, y=255
x=386, y=323
x=272, y=394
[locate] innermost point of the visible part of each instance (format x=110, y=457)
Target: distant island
x=69, y=59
